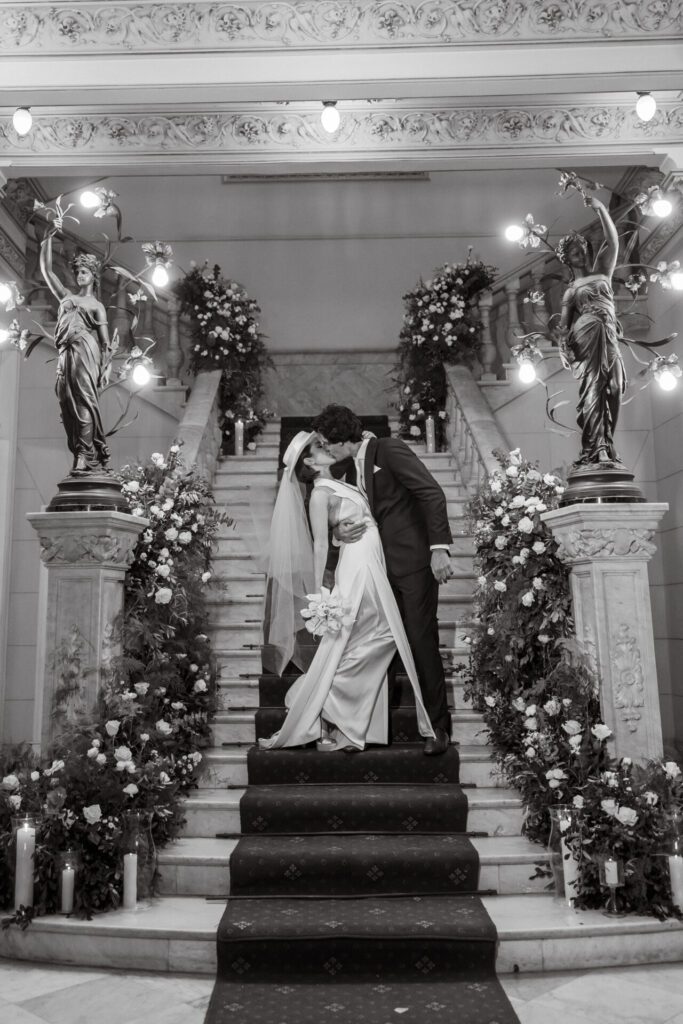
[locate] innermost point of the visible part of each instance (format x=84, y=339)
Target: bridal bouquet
x=326, y=613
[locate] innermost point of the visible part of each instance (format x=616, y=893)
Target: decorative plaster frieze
x=147, y=26
x=622, y=543
x=98, y=548
x=629, y=677
x=388, y=127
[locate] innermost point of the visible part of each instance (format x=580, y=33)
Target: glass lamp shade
x=141, y=375
x=646, y=106
x=22, y=120
x=160, y=276
x=514, y=232
x=330, y=118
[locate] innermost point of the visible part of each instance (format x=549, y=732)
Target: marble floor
x=37, y=994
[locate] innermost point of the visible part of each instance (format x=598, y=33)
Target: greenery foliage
x=141, y=749
x=441, y=326
x=540, y=699
x=226, y=337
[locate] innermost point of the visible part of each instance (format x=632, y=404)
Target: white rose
x=193, y=667
x=101, y=758
x=538, y=547
x=575, y=743
x=519, y=704
x=601, y=732
x=549, y=479
x=163, y=595
x=528, y=598
x=174, y=448
x=93, y=752
x=651, y=799
x=496, y=487
x=505, y=521
x=164, y=779
x=533, y=475
x=138, y=510
x=500, y=542
x=15, y=801
x=171, y=534
x=10, y=782
x=92, y=813
x=611, y=779
x=112, y=727
x=498, y=511
x=164, y=728
x=131, y=789
x=132, y=486
x=481, y=580
x=531, y=709
x=206, y=576
x=500, y=586
x=185, y=537
x=163, y=571
x=200, y=686
x=35, y=776
x=627, y=816
x=490, y=631
x=609, y=807
x=515, y=456
x=543, y=638
x=517, y=501
x=525, y=525
x=552, y=706
x=512, y=471
x=672, y=769
x=490, y=701
x=141, y=688
x=123, y=753
x=578, y=801
x=572, y=727
x=530, y=752
x=56, y=766
x=531, y=724
x=144, y=736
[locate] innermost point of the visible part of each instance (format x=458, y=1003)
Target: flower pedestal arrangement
x=86, y=555
x=608, y=547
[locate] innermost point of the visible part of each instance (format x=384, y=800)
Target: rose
x=15, y=801
x=672, y=769
x=185, y=537
x=517, y=501
x=609, y=807
x=171, y=534
x=133, y=486
x=141, y=688
x=490, y=701
x=528, y=598
x=112, y=727
x=93, y=752
x=531, y=709
x=627, y=816
x=163, y=595
x=538, y=547
x=163, y=571
x=500, y=586
x=164, y=727
x=200, y=686
x=519, y=704
x=10, y=782
x=651, y=799
x=496, y=487
x=549, y=479
x=101, y=758
x=131, y=789
x=531, y=723
x=543, y=638
x=481, y=580
x=575, y=743
x=512, y=471
x=537, y=583
x=572, y=727
x=35, y=776
x=500, y=542
x=552, y=706
x=578, y=801
x=531, y=752
x=601, y=732
x=123, y=753
x=525, y=525
x=611, y=779
x=56, y=766
x=92, y=813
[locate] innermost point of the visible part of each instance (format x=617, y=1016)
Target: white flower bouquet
x=326, y=613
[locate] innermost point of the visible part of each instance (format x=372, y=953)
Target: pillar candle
x=68, y=882
x=611, y=872
x=430, y=434
x=239, y=437
x=23, y=881
x=130, y=881
x=570, y=867
x=676, y=877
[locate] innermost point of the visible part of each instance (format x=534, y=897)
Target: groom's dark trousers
x=412, y=515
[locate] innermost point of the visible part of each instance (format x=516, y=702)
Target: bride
x=345, y=686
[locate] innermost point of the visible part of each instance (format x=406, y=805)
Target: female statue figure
x=84, y=355
x=590, y=333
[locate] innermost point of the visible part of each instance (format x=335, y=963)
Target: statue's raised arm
x=606, y=259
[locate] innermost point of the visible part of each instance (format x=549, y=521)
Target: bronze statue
x=84, y=358
x=590, y=332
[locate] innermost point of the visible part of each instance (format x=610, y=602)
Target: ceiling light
x=90, y=199
x=141, y=375
x=22, y=120
x=330, y=118
x=527, y=371
x=646, y=106
x=160, y=276
x=514, y=232
x=661, y=206
x=677, y=280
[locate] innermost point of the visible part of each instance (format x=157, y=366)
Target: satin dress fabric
x=594, y=342
x=346, y=683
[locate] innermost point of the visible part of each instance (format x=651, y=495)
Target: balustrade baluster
x=488, y=348
x=174, y=355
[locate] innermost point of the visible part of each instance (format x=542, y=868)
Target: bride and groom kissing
x=389, y=520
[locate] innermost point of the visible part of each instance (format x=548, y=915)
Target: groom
x=411, y=513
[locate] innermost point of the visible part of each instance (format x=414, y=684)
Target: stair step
x=494, y=811
x=242, y=602
x=236, y=635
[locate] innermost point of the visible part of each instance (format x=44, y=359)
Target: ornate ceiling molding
x=374, y=129
x=94, y=26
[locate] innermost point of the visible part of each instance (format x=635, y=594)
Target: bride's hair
x=305, y=474
x=338, y=424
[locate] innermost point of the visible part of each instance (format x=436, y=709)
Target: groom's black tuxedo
x=412, y=515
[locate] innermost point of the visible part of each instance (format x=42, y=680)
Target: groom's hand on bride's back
x=348, y=531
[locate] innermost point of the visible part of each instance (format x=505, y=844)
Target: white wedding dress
x=346, y=683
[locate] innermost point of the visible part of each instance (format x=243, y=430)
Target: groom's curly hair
x=338, y=424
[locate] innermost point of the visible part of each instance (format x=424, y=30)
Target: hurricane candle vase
x=564, y=865
x=430, y=435
x=25, y=829
x=674, y=855
x=68, y=870
x=611, y=871
x=239, y=437
x=139, y=858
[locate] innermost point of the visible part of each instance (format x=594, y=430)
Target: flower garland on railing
x=226, y=337
x=142, y=749
x=539, y=698
x=441, y=326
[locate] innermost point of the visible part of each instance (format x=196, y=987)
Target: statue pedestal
x=608, y=547
x=86, y=555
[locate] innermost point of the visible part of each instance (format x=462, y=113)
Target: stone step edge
x=178, y=934
x=235, y=717
x=470, y=753
x=478, y=798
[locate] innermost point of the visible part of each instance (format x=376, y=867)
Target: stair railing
x=199, y=430
x=471, y=428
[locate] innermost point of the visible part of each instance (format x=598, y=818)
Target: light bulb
x=514, y=232
x=330, y=118
x=662, y=207
x=677, y=280
x=141, y=375
x=666, y=380
x=160, y=276
x=5, y=292
x=646, y=106
x=527, y=371
x=22, y=120
x=90, y=199
x=4, y=335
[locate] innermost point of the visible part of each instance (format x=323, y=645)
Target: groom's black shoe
x=437, y=744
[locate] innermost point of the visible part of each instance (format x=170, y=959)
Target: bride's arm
x=318, y=511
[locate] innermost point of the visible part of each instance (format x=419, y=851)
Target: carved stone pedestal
x=86, y=555
x=608, y=547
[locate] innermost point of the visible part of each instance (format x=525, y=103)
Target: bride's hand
x=348, y=531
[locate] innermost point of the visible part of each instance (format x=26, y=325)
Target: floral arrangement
x=440, y=326
x=226, y=336
x=326, y=613
x=142, y=749
x=539, y=698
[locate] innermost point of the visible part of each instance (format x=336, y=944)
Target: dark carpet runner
x=355, y=888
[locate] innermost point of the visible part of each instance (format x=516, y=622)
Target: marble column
x=86, y=555
x=608, y=547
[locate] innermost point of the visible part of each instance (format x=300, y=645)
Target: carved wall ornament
x=401, y=126
x=629, y=681
x=11, y=254
x=577, y=544
x=94, y=26
x=94, y=548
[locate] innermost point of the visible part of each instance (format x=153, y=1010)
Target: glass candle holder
x=68, y=869
x=139, y=858
x=611, y=872
x=674, y=855
x=25, y=830
x=430, y=435
x=565, y=867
